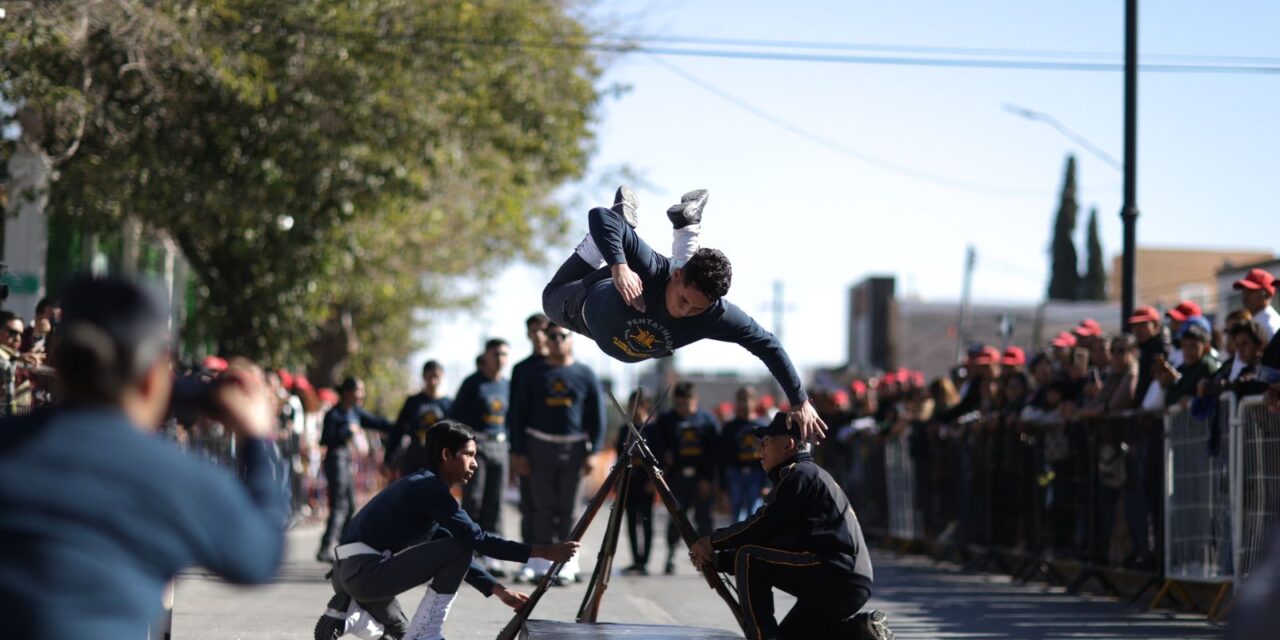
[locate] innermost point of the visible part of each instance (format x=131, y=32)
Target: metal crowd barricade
x=1257, y=483
x=1198, y=495
x=900, y=481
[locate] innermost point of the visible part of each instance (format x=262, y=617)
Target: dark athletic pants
x=563, y=297
x=826, y=598
x=342, y=500
x=555, y=474
x=374, y=581
x=639, y=505
x=685, y=490
x=482, y=497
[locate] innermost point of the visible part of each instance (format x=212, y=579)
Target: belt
x=357, y=549
x=501, y=436
x=557, y=438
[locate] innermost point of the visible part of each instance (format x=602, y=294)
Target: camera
x=192, y=398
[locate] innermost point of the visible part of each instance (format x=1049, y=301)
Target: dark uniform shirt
x=738, y=445
x=632, y=336
x=689, y=443
x=806, y=511
x=419, y=508
x=481, y=404
x=336, y=430
x=96, y=516
x=418, y=414
x=558, y=401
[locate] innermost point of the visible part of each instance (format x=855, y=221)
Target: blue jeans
x=744, y=487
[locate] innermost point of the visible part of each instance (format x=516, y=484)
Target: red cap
x=859, y=387
x=767, y=401
x=286, y=378
x=1064, y=340
x=889, y=378
x=1257, y=279
x=302, y=383
x=214, y=363
x=917, y=378
x=328, y=396
x=840, y=397
x=1185, y=309
x=1014, y=357
x=725, y=408
x=1144, y=314
x=988, y=355
x=1089, y=328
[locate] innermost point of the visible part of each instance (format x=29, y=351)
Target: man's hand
x=628, y=284
x=244, y=403
x=702, y=554
x=520, y=465
x=806, y=419
x=589, y=464
x=558, y=552
x=513, y=599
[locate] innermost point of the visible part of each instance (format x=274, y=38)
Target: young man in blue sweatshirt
x=481, y=404
x=414, y=532
x=420, y=411
x=686, y=445
x=338, y=433
x=557, y=430
x=645, y=305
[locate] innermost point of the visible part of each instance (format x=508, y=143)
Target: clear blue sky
x=786, y=208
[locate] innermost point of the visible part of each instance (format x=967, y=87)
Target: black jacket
x=806, y=511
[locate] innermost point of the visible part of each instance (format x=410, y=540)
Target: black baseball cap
x=779, y=426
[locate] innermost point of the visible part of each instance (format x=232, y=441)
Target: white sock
x=428, y=621
x=587, y=250
x=684, y=243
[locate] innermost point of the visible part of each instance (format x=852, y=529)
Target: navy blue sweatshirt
x=559, y=401
x=96, y=516
x=738, y=445
x=631, y=336
x=481, y=404
x=689, y=443
x=419, y=412
x=518, y=372
x=806, y=511
x=336, y=433
x=419, y=508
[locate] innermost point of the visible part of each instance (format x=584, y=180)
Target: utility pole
x=962, y=328
x=1129, y=214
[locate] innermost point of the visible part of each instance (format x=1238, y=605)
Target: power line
x=846, y=150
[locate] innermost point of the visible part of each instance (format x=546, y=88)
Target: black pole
x=1129, y=214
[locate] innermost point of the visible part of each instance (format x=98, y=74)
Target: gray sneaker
x=624, y=204
x=873, y=624
x=689, y=210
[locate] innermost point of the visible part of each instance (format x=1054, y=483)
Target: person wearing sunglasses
x=557, y=423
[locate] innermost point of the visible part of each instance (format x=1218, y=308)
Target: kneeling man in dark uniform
x=414, y=532
x=806, y=541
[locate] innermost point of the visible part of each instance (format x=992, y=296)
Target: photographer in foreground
x=97, y=514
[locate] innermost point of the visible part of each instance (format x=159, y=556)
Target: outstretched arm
x=734, y=325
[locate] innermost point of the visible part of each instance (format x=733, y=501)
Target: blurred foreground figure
x=96, y=514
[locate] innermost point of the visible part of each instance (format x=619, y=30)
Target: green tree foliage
x=325, y=166
x=1064, y=273
x=1094, y=284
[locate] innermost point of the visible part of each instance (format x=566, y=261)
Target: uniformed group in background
x=544, y=429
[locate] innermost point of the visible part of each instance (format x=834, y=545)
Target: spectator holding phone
x=96, y=513
x=1197, y=363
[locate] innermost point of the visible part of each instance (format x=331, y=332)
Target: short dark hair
x=745, y=391
x=685, y=389
x=6, y=316
x=45, y=303
x=431, y=365
x=494, y=343
x=537, y=318
x=446, y=434
x=349, y=384
x=1245, y=327
x=709, y=271
x=113, y=331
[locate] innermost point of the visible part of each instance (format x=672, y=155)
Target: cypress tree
x=1064, y=272
x=1094, y=285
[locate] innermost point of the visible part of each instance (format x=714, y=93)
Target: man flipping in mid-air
x=646, y=305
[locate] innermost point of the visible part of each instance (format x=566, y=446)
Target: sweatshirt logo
x=644, y=338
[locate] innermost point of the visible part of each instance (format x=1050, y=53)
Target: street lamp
x=1038, y=116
